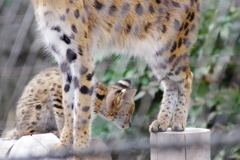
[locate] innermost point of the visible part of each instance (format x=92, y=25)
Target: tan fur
x=40, y=109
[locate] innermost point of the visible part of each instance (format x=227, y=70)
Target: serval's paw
x=158, y=126
x=178, y=126
x=59, y=149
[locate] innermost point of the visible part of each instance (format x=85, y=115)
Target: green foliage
x=214, y=62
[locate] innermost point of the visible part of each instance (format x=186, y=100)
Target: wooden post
x=193, y=143
x=39, y=145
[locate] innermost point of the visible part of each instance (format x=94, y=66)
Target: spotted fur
x=40, y=109
x=161, y=32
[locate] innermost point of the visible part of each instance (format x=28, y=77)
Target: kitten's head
x=118, y=105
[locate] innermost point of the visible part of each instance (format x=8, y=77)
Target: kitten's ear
x=129, y=94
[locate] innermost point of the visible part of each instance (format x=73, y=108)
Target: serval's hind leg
x=167, y=107
x=181, y=108
x=175, y=103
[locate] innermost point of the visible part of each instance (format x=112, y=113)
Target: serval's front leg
x=66, y=36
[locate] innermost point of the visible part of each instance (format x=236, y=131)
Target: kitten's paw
x=158, y=126
x=178, y=126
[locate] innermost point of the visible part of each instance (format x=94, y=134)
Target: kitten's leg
x=57, y=107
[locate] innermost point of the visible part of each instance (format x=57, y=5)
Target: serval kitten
x=40, y=109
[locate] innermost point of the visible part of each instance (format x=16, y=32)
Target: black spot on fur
x=166, y=3
x=158, y=1
x=168, y=45
x=186, y=32
x=192, y=2
x=62, y=18
x=75, y=82
x=76, y=13
x=178, y=71
x=72, y=36
x=89, y=77
x=101, y=97
x=53, y=47
x=86, y=108
x=192, y=17
x=74, y=29
x=174, y=47
x=125, y=8
x=112, y=9
x=168, y=16
x=64, y=67
x=177, y=61
x=31, y=131
x=176, y=4
x=84, y=89
x=65, y=38
x=83, y=70
x=67, y=88
x=83, y=20
x=84, y=121
x=139, y=9
x=163, y=66
x=128, y=28
x=48, y=12
x=171, y=58
x=57, y=106
x=90, y=92
x=80, y=52
x=117, y=92
x=193, y=27
x=67, y=10
x=164, y=28
x=198, y=7
x=147, y=26
x=85, y=35
x=38, y=107
x=98, y=5
x=186, y=8
x=151, y=9
x=180, y=42
x=56, y=28
x=176, y=24
x=71, y=55
x=69, y=78
x=160, y=52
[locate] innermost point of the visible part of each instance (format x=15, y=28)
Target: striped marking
x=57, y=106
